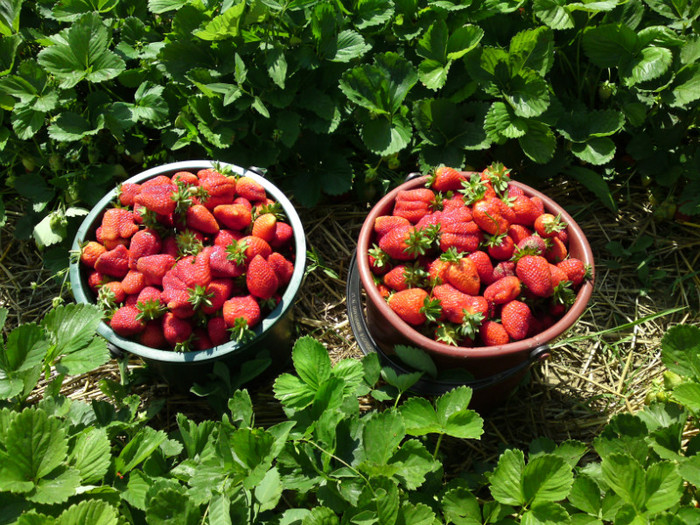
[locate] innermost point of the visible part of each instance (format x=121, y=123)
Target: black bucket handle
x=425, y=386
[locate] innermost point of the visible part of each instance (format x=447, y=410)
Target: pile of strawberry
x=471, y=260
x=191, y=261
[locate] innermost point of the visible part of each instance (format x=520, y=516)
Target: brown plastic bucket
x=509, y=362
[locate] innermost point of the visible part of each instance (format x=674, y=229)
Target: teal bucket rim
x=81, y=295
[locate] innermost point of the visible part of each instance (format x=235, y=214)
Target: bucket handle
x=367, y=344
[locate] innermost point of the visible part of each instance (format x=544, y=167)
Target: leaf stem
x=437, y=446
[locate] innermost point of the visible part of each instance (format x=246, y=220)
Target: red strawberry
x=535, y=274
x=462, y=309
x=414, y=204
x=493, y=215
x=383, y=291
x=556, y=252
x=514, y=191
x=111, y=293
x=463, y=275
x=283, y=268
x=185, y=178
x=217, y=331
x=157, y=181
x=516, y=318
x=169, y=247
x=518, y=232
x=396, y=278
x=233, y=216
x=493, y=334
x=532, y=245
x=538, y=203
x=548, y=225
x=413, y=305
x=402, y=243
x=446, y=179
x=143, y=243
x=152, y=336
x=432, y=219
x=198, y=217
x=525, y=211
x=127, y=193
x=133, y=282
x=219, y=189
x=456, y=203
x=503, y=291
x=118, y=223
x=500, y=247
x=125, y=321
x=200, y=339
x=250, y=189
x=222, y=266
x=264, y=227
x=464, y=236
x=97, y=279
x=150, y=303
x=255, y=246
x=385, y=223
x=283, y=235
x=437, y=271
x=244, y=202
x=503, y=269
x=177, y=332
x=558, y=275
x=194, y=270
x=226, y=237
x=154, y=267
x=206, y=172
x=245, y=307
x=114, y=262
x=220, y=290
x=158, y=198
x=91, y=252
x=261, y=280
x=576, y=270
x=484, y=266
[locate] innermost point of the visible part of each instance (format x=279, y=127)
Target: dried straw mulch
x=589, y=377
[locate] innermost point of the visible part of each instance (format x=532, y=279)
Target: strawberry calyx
x=470, y=323
x=184, y=346
x=107, y=301
x=499, y=177
x=381, y=258
x=473, y=189
x=447, y=333
x=564, y=294
x=275, y=208
x=236, y=252
x=431, y=309
x=150, y=309
x=452, y=255
x=493, y=241
x=240, y=331
x=199, y=296
x=188, y=243
x=418, y=242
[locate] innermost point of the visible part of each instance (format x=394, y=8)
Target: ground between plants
x=570, y=396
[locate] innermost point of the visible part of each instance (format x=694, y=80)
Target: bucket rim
x=384, y=205
x=288, y=298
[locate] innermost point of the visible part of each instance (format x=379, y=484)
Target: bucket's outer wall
x=388, y=329
x=274, y=334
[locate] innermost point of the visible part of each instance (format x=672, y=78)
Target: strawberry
x=249, y=188
x=484, y=266
x=476, y=188
x=414, y=306
x=133, y=282
x=556, y=252
x=149, y=294
x=90, y=252
x=264, y=227
x=157, y=198
x=534, y=272
x=198, y=217
x=403, y=243
x=261, y=280
x=283, y=268
x=177, y=332
x=200, y=339
x=233, y=216
x=217, y=331
x=503, y=269
x=110, y=295
x=518, y=232
x=385, y=223
x=437, y=271
x=464, y=236
x=379, y=261
x=455, y=203
x=283, y=235
x=169, y=247
x=431, y=220
x=219, y=189
x=462, y=272
x=125, y=321
x=446, y=179
x=126, y=193
x=493, y=333
x=514, y=192
x=558, y=275
x=498, y=176
x=402, y=277
x=226, y=237
x=548, y=225
x=118, y=223
x=576, y=270
x=97, y=279
x=185, y=178
x=245, y=307
x=154, y=267
x=500, y=247
x=464, y=310
x=243, y=202
x=114, y=262
x=538, y=204
x=152, y=335
x=221, y=265
x=143, y=243
x=492, y=215
x=414, y=204
x=194, y=270
x=219, y=290
x=525, y=211
x=205, y=173
x=158, y=180
x=503, y=291
x=383, y=290
x=253, y=246
x=516, y=318
x=531, y=245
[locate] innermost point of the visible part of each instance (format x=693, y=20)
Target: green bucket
x=273, y=335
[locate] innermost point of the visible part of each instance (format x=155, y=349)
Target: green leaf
x=506, y=481
x=384, y=136
x=417, y=359
x=292, y=392
x=689, y=469
x=626, y=477
x=373, y=13
x=610, y=45
x=528, y=94
x=349, y=46
x=149, y=104
x=595, y=183
x=690, y=52
x=433, y=44
x=141, y=447
x=9, y=17
x=382, y=435
x=539, y=142
x=85, y=360
x=320, y=516
x=596, y=151
x=455, y=418
x=650, y=63
x=34, y=518
x=414, y=462
x=585, y=495
x=461, y=507
x=443, y=123
x=420, y=417
x=433, y=74
x=82, y=54
x=276, y=64
x=533, y=49
x=224, y=25
x=8, y=52
x=26, y=122
x=93, y=511
x=91, y=454
x=664, y=486
x=545, y=513
x=688, y=395
x=463, y=40
x=554, y=13
x=685, y=88
x=72, y=327
x=69, y=127
x=546, y=478
x=501, y=122
x=163, y=6
x=25, y=348
x=57, y=487
x=680, y=350
x=169, y=505
x=311, y=361
x=269, y=491
x=69, y=10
